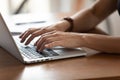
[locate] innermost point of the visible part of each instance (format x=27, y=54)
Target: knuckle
x=49, y=46
x=48, y=40
x=29, y=31
x=43, y=38
x=56, y=34
x=44, y=29
x=33, y=35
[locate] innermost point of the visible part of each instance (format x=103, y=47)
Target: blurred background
x=12, y=7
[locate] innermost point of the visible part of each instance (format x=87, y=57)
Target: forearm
x=84, y=21
x=87, y=19
x=102, y=43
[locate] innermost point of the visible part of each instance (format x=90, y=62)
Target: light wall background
x=115, y=23
x=4, y=7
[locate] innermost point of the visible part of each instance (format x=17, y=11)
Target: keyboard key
x=50, y=51
x=30, y=51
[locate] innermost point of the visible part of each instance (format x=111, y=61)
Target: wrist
x=66, y=25
x=63, y=25
x=70, y=23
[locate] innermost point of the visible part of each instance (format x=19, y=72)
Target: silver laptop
x=28, y=54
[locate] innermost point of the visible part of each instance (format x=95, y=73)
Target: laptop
x=28, y=54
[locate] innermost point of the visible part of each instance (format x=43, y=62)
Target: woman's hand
x=35, y=32
x=58, y=38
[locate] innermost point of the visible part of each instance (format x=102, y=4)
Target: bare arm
x=83, y=21
x=88, y=18
x=102, y=42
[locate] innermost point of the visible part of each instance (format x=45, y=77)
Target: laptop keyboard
x=30, y=51
x=27, y=52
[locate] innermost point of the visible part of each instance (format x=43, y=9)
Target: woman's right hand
x=31, y=33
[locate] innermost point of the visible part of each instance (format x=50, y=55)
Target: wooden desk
x=99, y=66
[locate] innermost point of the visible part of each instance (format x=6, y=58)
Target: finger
x=41, y=31
x=27, y=33
x=44, y=35
x=49, y=40
x=50, y=32
x=35, y=34
x=39, y=45
x=36, y=42
x=40, y=49
x=22, y=34
x=54, y=44
x=43, y=39
x=30, y=39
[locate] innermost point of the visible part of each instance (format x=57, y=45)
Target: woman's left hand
x=57, y=38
